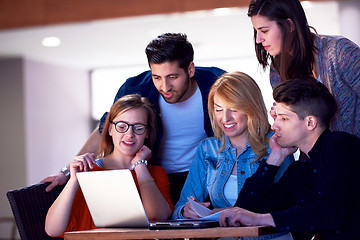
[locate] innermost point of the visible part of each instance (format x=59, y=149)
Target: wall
x=45, y=118
x=57, y=111
x=349, y=12
x=12, y=143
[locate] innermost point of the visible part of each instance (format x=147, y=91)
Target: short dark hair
x=307, y=97
x=170, y=47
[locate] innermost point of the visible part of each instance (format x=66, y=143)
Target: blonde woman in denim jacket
x=241, y=135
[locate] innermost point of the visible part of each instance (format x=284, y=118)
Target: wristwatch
x=65, y=171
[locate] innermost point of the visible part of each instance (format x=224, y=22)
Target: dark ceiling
x=25, y=13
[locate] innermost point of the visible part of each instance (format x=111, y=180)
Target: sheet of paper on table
x=204, y=212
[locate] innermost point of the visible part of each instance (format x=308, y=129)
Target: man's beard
x=175, y=98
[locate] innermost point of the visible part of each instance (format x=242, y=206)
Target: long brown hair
x=296, y=58
x=242, y=93
x=123, y=104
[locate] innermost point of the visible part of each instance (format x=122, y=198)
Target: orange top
x=80, y=218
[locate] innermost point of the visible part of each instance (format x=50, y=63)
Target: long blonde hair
x=243, y=94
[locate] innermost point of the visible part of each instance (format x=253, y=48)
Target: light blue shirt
x=183, y=125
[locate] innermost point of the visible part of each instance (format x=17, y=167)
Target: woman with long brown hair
x=285, y=42
x=128, y=135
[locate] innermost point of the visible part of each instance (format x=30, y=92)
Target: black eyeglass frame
x=128, y=125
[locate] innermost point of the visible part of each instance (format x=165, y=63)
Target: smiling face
x=232, y=122
x=128, y=143
x=289, y=129
x=268, y=33
x=172, y=82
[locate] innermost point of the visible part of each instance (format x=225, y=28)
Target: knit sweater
x=339, y=64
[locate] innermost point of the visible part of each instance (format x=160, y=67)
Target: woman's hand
x=188, y=211
x=144, y=153
x=155, y=204
x=58, y=215
x=272, y=111
x=82, y=163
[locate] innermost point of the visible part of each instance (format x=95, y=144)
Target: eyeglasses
x=123, y=127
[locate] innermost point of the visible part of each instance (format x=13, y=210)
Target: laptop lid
x=112, y=198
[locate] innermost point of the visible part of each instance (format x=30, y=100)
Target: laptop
x=114, y=201
x=112, y=198
x=183, y=223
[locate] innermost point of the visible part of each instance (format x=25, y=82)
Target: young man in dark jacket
x=317, y=194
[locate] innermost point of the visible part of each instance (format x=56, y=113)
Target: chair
x=29, y=206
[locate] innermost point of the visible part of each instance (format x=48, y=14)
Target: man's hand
x=56, y=179
x=236, y=217
x=91, y=146
x=278, y=153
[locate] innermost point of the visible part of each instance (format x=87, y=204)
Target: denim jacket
x=210, y=171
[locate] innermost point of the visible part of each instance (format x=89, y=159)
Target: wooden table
x=144, y=233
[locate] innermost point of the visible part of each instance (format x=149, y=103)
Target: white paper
x=212, y=217
x=204, y=212
x=200, y=210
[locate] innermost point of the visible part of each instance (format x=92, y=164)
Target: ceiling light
x=221, y=11
x=51, y=42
